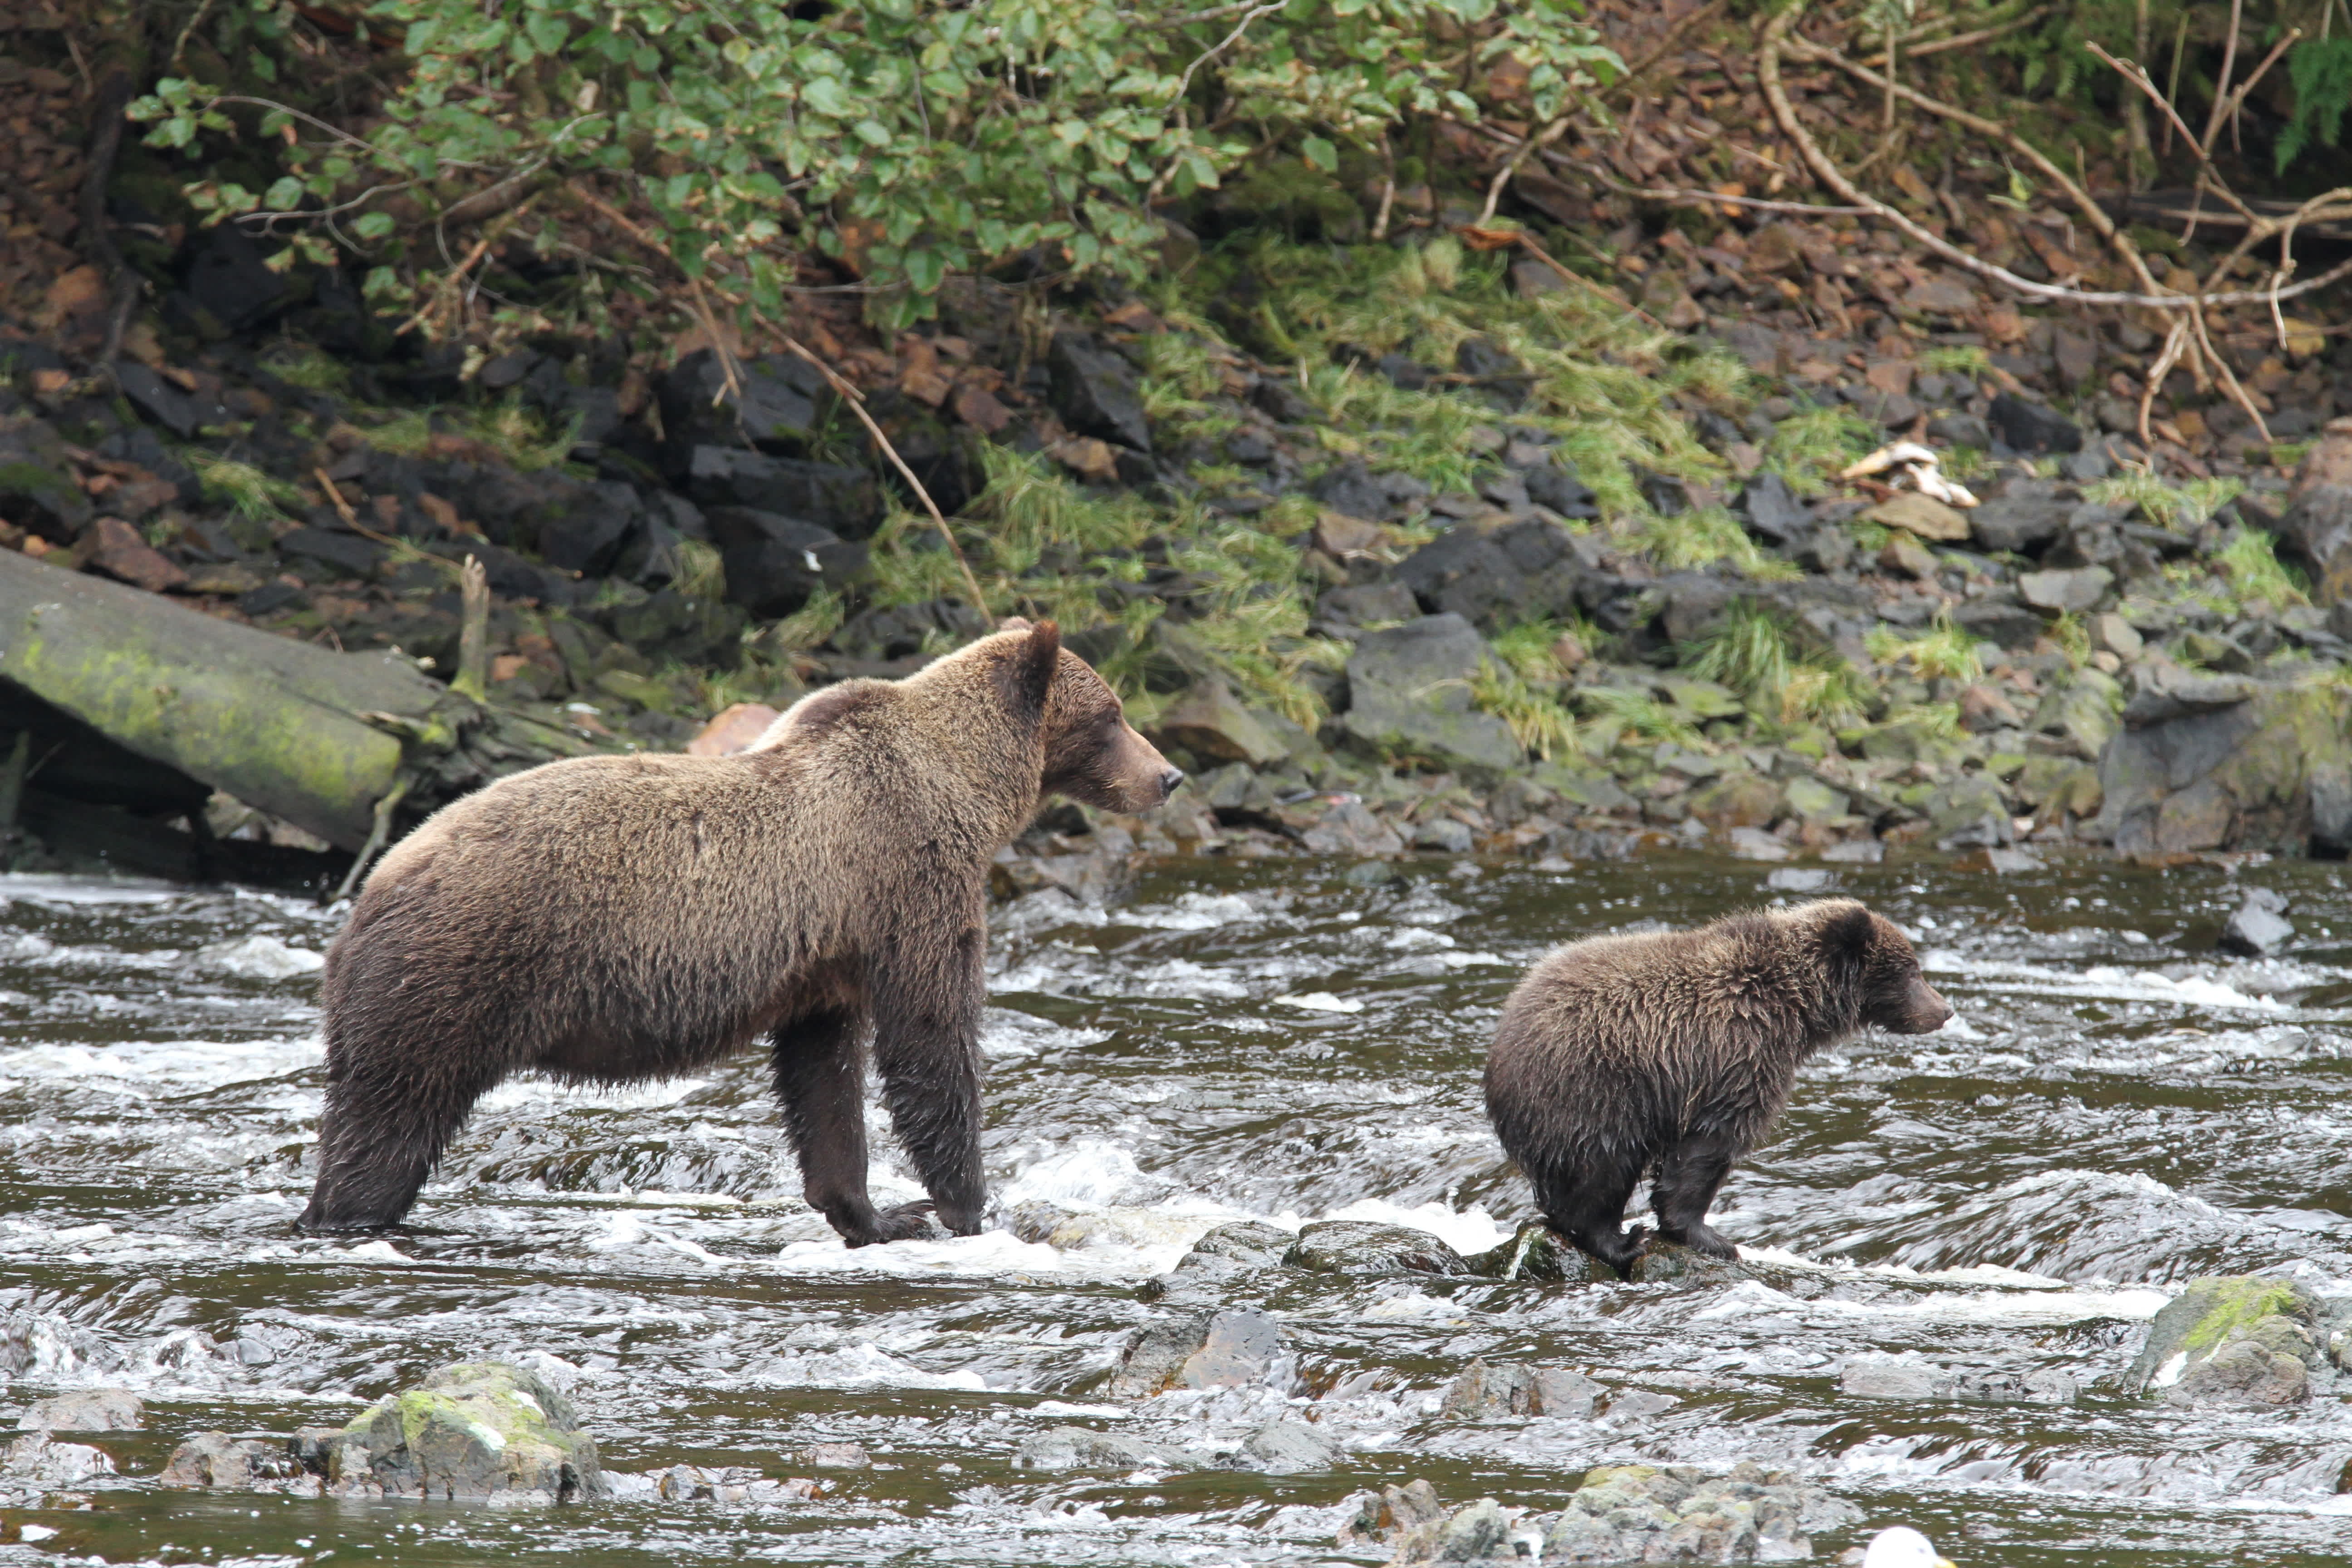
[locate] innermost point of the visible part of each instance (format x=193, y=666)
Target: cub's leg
x=821, y=1079
x=1587, y=1207
x=926, y=1042
x=387, y=1121
x=1688, y=1179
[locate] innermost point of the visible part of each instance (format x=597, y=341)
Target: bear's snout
x=1169, y=780
x=1927, y=1010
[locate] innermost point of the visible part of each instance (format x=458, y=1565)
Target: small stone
x=1284, y=1446
x=121, y=553
x=2064, y=591
x=1350, y=828
x=1983, y=708
x=1078, y=1449
x=2113, y=633
x=732, y=730
x=1855, y=852
x=1906, y=555
x=1772, y=511
x=2011, y=862
x=1923, y=515
x=1799, y=879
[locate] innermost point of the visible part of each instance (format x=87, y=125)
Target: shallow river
x=2115, y=1108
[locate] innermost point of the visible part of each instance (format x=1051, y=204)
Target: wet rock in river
x=2260, y=926
x=218, y=1462
x=1232, y=1348
x=727, y=1484
x=2231, y=1340
x=1382, y=1516
x=474, y=1429
x=1486, y=1390
x=1080, y=1448
x=1361, y=1247
x=1284, y=1446
x=1912, y=1377
x=1638, y=1514
x=92, y=1410
x=1537, y=1252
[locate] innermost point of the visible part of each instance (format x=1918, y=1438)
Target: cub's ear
x=1848, y=928
x=1033, y=666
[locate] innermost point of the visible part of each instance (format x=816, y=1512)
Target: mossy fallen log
x=308, y=734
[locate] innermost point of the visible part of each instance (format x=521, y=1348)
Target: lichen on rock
x=474, y=1429
x=2232, y=1339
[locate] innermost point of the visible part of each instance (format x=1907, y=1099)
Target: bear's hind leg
x=1688, y=1178
x=926, y=1042
x=1589, y=1208
x=379, y=1136
x=821, y=1079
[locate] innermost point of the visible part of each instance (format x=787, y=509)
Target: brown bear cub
x=1671, y=1054
x=608, y=920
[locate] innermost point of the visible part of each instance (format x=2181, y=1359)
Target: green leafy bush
x=909, y=141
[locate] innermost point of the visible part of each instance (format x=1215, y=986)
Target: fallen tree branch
x=1784, y=113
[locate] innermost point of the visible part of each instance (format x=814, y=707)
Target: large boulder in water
x=474, y=1429
x=1234, y=1349
x=2232, y=1339
x=1643, y=1513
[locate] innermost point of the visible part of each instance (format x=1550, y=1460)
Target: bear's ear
x=1848, y=930
x=1034, y=663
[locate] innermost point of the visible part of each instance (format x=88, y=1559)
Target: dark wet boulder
x=1362, y=1246
x=2258, y=927
x=2232, y=1339
x=1496, y=573
x=2204, y=765
x=228, y=284
x=1409, y=694
x=1349, y=487
x=668, y=623
x=1236, y=1348
x=2019, y=521
x=774, y=562
x=1537, y=1252
x=37, y=488
x=843, y=501
x=474, y=1429
x=1769, y=509
x=181, y=413
x=1094, y=391
x=888, y=632
x=1212, y=723
x=588, y=532
x=326, y=554
x=2024, y=427
x=1385, y=602
x=1999, y=619
x=1223, y=1257
x=1554, y=486
x=773, y=405
x=1485, y=1390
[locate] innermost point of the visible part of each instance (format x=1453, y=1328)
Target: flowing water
x=2116, y=1110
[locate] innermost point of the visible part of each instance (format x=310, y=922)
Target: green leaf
x=284, y=194
x=925, y=270
x=373, y=226
x=1321, y=154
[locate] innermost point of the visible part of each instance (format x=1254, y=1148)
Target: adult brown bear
x=612, y=919
x=1674, y=1053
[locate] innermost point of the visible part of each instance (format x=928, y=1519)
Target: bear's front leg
x=1688, y=1178
x=1587, y=1207
x=927, y=1009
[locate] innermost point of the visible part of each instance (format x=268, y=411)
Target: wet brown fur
x=1673, y=1054
x=608, y=920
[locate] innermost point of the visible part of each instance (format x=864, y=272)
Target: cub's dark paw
x=1623, y=1250
x=1707, y=1241
x=910, y=1221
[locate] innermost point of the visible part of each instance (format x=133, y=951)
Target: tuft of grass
x=2251, y=561
x=1535, y=718
x=1966, y=359
x=1752, y=653
x=1527, y=649
x=811, y=624
x=702, y=572
x=299, y=364
x=517, y=432
x=1943, y=652
x=255, y=495
x=2073, y=637
x=1622, y=713
x=1703, y=535
x=1809, y=445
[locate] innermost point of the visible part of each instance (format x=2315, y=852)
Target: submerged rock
x=1080, y=1448
x=218, y=1462
x=1360, y=1246
x=1232, y=1348
x=1915, y=1378
x=1638, y=1514
x=1225, y=1255
x=2231, y=1340
x=474, y=1429
x=1484, y=1391
x=728, y=1484
x=1537, y=1252
x=1284, y=1446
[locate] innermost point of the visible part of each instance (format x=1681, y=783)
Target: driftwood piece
x=296, y=729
